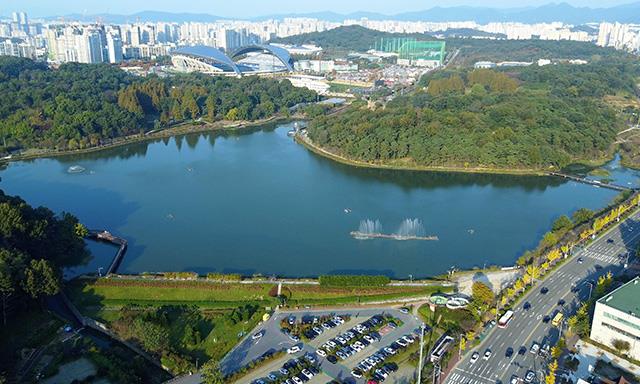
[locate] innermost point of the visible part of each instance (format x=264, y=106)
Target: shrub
x=353, y=281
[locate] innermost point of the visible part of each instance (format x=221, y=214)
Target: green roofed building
x=410, y=51
x=616, y=319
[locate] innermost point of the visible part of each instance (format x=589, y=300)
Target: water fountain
x=410, y=229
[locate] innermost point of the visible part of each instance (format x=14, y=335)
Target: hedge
x=353, y=281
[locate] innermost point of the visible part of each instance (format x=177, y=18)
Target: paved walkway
x=588, y=354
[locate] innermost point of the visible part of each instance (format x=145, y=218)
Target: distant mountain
x=627, y=13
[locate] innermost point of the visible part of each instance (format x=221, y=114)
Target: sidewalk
x=588, y=354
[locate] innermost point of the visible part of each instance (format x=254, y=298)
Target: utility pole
x=422, y=328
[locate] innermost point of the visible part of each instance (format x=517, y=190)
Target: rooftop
x=625, y=298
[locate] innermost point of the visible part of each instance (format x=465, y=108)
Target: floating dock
x=366, y=236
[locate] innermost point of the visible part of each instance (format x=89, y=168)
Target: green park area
x=205, y=319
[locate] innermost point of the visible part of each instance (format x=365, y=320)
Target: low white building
x=617, y=317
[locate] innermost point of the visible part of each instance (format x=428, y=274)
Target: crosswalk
x=605, y=257
x=460, y=376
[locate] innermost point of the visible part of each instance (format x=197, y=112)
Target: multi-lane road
x=605, y=254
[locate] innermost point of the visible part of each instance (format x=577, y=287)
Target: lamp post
x=422, y=328
x=100, y=271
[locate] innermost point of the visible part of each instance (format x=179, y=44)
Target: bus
x=557, y=319
x=505, y=319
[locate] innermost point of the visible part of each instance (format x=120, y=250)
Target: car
x=292, y=320
x=530, y=376
x=317, y=330
x=294, y=349
x=390, y=350
x=260, y=381
x=297, y=380
x=522, y=350
x=487, y=354
x=356, y=373
x=332, y=359
x=546, y=319
x=321, y=353
x=474, y=357
x=341, y=355
x=68, y=328
x=339, y=319
x=535, y=348
x=515, y=379
x=544, y=290
x=408, y=339
x=326, y=326
x=404, y=310
x=368, y=338
x=509, y=352
x=272, y=376
x=580, y=260
x=310, y=357
x=598, y=267
x=258, y=335
x=294, y=338
x=284, y=371
x=307, y=373
x=610, y=241
x=526, y=306
x=561, y=302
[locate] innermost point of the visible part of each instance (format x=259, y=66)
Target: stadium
x=250, y=59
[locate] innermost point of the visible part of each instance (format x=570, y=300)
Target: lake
x=258, y=203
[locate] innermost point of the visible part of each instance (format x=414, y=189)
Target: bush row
x=353, y=281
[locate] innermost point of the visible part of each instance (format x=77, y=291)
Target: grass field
x=114, y=292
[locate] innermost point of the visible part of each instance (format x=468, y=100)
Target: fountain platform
x=366, y=236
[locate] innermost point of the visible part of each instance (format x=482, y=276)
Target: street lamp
x=100, y=271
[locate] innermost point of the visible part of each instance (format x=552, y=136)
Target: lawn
x=115, y=292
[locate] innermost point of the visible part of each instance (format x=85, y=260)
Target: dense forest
x=532, y=118
x=35, y=244
x=80, y=105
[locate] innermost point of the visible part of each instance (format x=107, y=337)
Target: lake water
x=258, y=203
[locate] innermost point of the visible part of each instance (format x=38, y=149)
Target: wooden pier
x=595, y=183
x=107, y=237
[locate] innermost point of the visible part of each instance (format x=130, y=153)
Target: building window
x=620, y=331
x=622, y=321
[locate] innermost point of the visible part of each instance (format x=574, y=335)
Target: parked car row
x=352, y=341
x=294, y=371
x=376, y=362
x=320, y=328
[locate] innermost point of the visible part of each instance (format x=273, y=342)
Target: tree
x=210, y=105
x=211, y=373
x=482, y=295
x=550, y=378
x=582, y=215
x=232, y=114
x=620, y=345
x=41, y=279
x=562, y=223
x=81, y=230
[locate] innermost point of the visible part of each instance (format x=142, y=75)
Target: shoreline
x=307, y=143
x=184, y=128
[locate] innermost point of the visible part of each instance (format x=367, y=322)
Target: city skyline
x=41, y=8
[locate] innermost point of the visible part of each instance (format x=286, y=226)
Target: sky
x=253, y=8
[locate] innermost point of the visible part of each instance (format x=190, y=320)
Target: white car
x=293, y=349
x=257, y=335
x=307, y=373
x=474, y=357
x=368, y=338
x=297, y=380
x=356, y=373
x=408, y=339
x=401, y=342
x=390, y=350
x=487, y=355
x=321, y=352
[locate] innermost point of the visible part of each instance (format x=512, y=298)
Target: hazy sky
x=251, y=8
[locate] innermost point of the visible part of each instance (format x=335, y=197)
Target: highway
x=527, y=326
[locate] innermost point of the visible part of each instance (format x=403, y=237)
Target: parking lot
x=347, y=345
